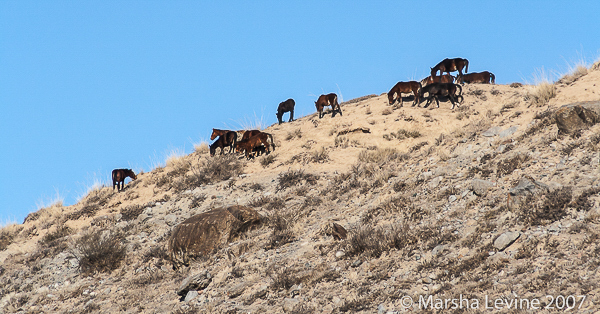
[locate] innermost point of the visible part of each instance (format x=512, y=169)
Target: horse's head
x=214, y=134
x=391, y=98
x=131, y=174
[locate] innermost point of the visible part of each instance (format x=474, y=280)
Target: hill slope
x=426, y=195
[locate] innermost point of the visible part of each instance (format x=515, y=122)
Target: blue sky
x=89, y=86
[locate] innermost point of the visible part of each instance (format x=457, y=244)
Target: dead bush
x=282, y=224
x=543, y=209
x=370, y=241
x=267, y=160
x=320, y=155
x=197, y=201
x=508, y=165
x=86, y=211
x=8, y=234
x=99, y=251
x=210, y=170
x=131, y=212
x=541, y=94
x=292, y=178
x=54, y=242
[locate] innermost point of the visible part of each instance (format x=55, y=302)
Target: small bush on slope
x=99, y=251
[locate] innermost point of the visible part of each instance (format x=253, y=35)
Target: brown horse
x=437, y=79
x=228, y=139
x=451, y=65
x=218, y=132
x=249, y=144
x=442, y=89
x=404, y=87
x=328, y=100
x=286, y=106
x=119, y=175
x=481, y=77
x=249, y=133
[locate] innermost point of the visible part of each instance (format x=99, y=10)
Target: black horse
x=286, y=106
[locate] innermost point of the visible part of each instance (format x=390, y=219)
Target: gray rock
x=356, y=263
x=508, y=132
x=526, y=186
x=480, y=187
x=493, y=131
x=435, y=182
x=289, y=304
x=191, y=295
x=506, y=239
x=577, y=116
x=236, y=290
x=438, y=249
x=381, y=309
x=170, y=219
x=194, y=282
x=452, y=198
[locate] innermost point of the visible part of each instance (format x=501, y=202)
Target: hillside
x=427, y=195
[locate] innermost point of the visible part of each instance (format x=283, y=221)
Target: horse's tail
x=493, y=78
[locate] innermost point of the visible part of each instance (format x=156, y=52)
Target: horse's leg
x=291, y=116
x=452, y=101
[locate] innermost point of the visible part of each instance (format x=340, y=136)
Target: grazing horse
x=249, y=144
x=248, y=134
x=286, y=106
x=228, y=139
x=451, y=65
x=119, y=175
x=404, y=87
x=481, y=77
x=217, y=132
x=437, y=79
x=442, y=89
x=328, y=100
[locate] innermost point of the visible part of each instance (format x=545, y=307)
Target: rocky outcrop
x=577, y=116
x=201, y=234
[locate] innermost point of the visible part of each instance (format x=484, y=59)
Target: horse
x=404, y=87
x=442, y=89
x=249, y=133
x=217, y=132
x=484, y=77
x=228, y=139
x=437, y=79
x=451, y=65
x=328, y=100
x=119, y=175
x=286, y=106
x=249, y=144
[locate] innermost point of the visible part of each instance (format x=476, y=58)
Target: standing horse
x=119, y=175
x=248, y=145
x=218, y=132
x=404, y=87
x=451, y=65
x=481, y=77
x=328, y=100
x=437, y=79
x=228, y=139
x=442, y=89
x=286, y=106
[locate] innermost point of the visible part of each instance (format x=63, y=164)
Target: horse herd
x=255, y=141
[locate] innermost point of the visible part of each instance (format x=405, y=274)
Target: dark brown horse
x=437, y=79
x=249, y=133
x=404, y=87
x=249, y=144
x=328, y=100
x=451, y=65
x=119, y=175
x=286, y=106
x=228, y=139
x=481, y=77
x=218, y=132
x=442, y=89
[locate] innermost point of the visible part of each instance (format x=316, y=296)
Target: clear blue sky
x=89, y=86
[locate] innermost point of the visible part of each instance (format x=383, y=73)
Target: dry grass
x=99, y=251
x=541, y=94
x=8, y=234
x=293, y=178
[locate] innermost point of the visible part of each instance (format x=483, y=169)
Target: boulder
x=506, y=239
x=577, y=116
x=480, y=187
x=194, y=283
x=333, y=229
x=203, y=233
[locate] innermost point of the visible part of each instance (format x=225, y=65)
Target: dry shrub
x=210, y=170
x=99, y=251
x=282, y=223
x=320, y=155
x=8, y=234
x=294, y=134
x=267, y=160
x=381, y=156
x=285, y=278
x=292, y=178
x=386, y=111
x=583, y=202
x=371, y=241
x=576, y=73
x=417, y=147
x=545, y=119
x=508, y=165
x=131, y=212
x=201, y=148
x=342, y=142
x=546, y=208
x=541, y=94
x=86, y=211
x=54, y=242
x=197, y=201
